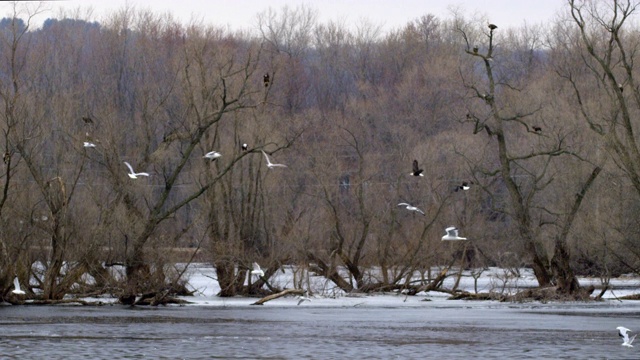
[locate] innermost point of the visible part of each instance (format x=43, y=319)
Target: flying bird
x=452, y=234
x=269, y=163
x=132, y=174
x=465, y=186
x=88, y=144
x=87, y=120
x=266, y=79
x=257, y=270
x=416, y=169
x=411, y=208
x=18, y=291
x=212, y=155
x=492, y=27
x=623, y=333
x=302, y=298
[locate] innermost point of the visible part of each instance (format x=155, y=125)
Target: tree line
x=538, y=121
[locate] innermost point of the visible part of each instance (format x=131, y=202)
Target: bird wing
x=16, y=284
x=280, y=165
x=266, y=157
x=256, y=266
x=142, y=174
x=630, y=341
x=130, y=168
x=403, y=204
x=420, y=211
x=449, y=230
x=625, y=337
x=622, y=331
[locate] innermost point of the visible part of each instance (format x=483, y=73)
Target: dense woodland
x=540, y=120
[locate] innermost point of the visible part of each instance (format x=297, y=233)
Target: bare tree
x=526, y=174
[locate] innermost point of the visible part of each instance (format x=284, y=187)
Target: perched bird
x=452, y=234
x=537, y=128
x=416, y=170
x=411, y=208
x=269, y=163
x=465, y=186
x=475, y=49
x=492, y=26
x=88, y=144
x=212, y=155
x=87, y=120
x=621, y=87
x=18, y=291
x=245, y=147
x=623, y=333
x=132, y=174
x=302, y=298
x=7, y=157
x=266, y=79
x=257, y=270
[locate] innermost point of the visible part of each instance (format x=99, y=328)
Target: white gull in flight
x=132, y=174
x=411, y=208
x=623, y=333
x=452, y=234
x=18, y=291
x=269, y=163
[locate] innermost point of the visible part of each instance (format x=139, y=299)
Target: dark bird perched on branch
x=6, y=158
x=492, y=27
x=536, y=128
x=475, y=49
x=266, y=79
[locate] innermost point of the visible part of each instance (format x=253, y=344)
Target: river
x=443, y=330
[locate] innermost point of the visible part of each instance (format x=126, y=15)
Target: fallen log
x=278, y=295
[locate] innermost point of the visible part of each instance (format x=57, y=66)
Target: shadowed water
x=578, y=331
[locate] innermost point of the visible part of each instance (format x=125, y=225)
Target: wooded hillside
x=539, y=122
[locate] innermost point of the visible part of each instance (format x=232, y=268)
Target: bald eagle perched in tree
x=492, y=27
x=266, y=79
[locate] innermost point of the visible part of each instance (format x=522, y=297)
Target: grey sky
x=241, y=14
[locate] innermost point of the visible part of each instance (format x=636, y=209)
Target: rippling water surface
x=579, y=331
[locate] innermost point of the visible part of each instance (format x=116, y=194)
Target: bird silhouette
x=257, y=270
x=623, y=333
x=464, y=187
x=416, y=169
x=16, y=287
x=452, y=234
x=212, y=155
x=271, y=165
x=412, y=208
x=132, y=174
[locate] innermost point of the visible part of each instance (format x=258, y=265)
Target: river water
x=445, y=330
